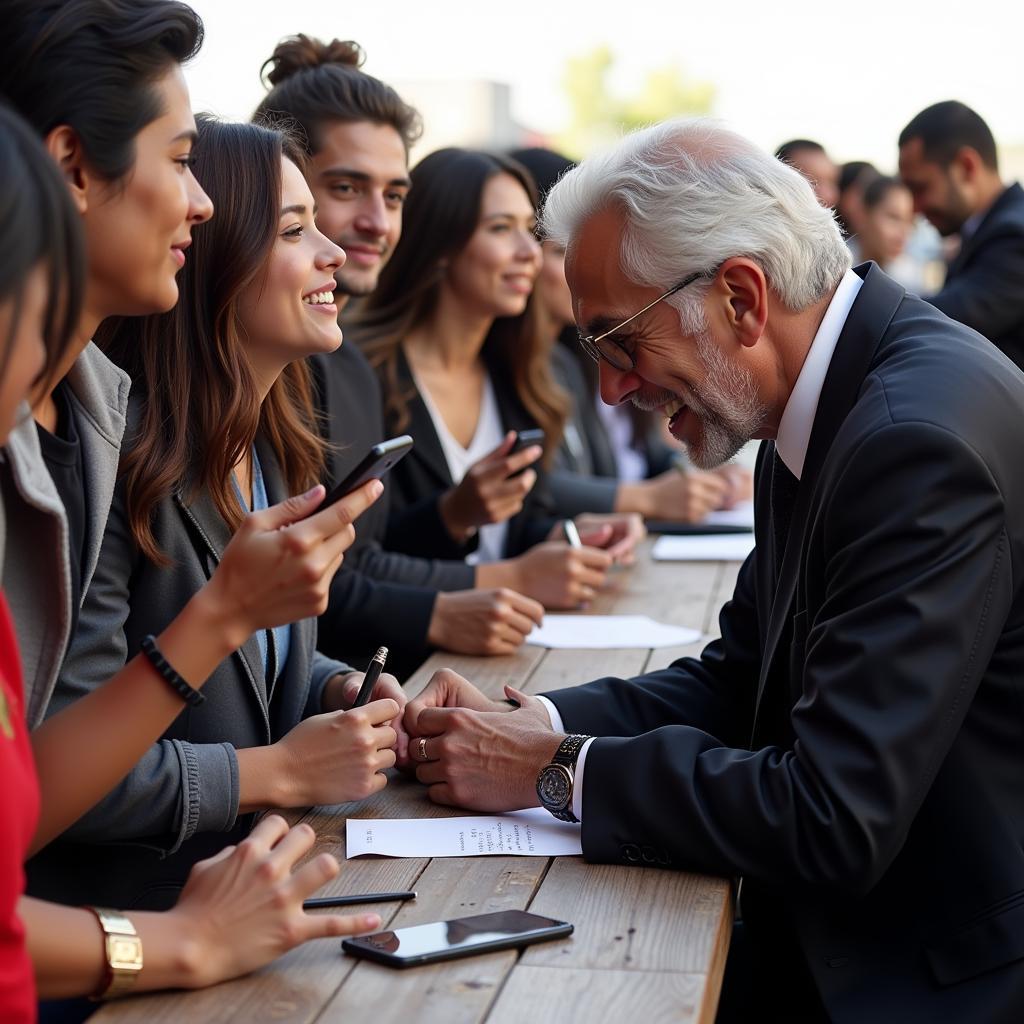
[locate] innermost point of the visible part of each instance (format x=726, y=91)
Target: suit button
x=650, y=855
x=836, y=961
x=631, y=852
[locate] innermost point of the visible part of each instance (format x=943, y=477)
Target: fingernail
x=371, y=921
x=312, y=491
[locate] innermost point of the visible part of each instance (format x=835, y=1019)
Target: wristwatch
x=124, y=953
x=555, y=781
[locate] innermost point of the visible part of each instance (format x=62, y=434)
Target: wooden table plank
x=631, y=918
x=542, y=995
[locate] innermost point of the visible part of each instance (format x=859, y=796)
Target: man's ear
x=966, y=165
x=65, y=147
x=746, y=294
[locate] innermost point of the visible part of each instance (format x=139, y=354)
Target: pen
x=572, y=535
x=373, y=671
x=363, y=897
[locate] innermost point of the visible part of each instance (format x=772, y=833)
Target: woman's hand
x=560, y=576
x=341, y=691
x=279, y=565
x=243, y=908
x=489, y=492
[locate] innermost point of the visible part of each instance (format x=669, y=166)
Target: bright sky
x=850, y=75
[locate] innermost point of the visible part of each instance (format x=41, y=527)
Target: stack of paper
x=530, y=833
x=719, y=547
x=608, y=631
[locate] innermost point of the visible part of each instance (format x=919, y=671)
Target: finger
x=597, y=536
x=269, y=831
x=314, y=875
x=441, y=793
x=520, y=460
x=377, y=712
x=297, y=842
x=326, y=926
x=431, y=772
x=516, y=626
x=434, y=721
x=345, y=511
x=503, y=449
x=594, y=558
x=291, y=510
x=533, y=610
x=384, y=759
x=591, y=578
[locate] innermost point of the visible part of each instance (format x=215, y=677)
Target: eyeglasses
x=613, y=352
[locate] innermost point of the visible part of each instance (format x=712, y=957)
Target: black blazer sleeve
x=885, y=665
x=988, y=293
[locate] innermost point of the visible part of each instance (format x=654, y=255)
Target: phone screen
x=445, y=939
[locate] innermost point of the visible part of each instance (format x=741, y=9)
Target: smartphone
x=525, y=439
x=463, y=936
x=377, y=461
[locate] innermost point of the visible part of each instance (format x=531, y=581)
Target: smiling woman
x=220, y=425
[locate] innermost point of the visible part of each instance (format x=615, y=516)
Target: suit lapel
x=428, y=449
x=212, y=535
x=869, y=318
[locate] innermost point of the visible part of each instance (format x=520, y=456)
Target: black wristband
x=189, y=695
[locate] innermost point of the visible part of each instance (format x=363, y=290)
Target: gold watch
x=124, y=953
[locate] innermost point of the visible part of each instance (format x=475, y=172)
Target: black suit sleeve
x=986, y=294
x=418, y=529
x=575, y=493
x=916, y=587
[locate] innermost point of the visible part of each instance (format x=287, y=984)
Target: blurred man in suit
x=948, y=161
x=853, y=745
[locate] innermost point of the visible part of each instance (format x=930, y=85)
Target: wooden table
x=649, y=944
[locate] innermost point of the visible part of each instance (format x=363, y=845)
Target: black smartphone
x=377, y=461
x=463, y=936
x=525, y=439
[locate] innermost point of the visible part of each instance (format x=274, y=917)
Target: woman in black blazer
x=220, y=423
x=450, y=330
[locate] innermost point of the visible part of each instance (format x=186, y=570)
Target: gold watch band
x=123, y=949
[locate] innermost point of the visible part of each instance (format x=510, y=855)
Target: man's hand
x=484, y=760
x=482, y=621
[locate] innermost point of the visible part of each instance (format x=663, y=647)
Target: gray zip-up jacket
x=36, y=566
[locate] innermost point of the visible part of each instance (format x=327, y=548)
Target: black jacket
x=985, y=282
x=853, y=745
x=418, y=481
x=375, y=588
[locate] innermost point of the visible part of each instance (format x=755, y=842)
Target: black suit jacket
x=418, y=481
x=985, y=283
x=853, y=744
x=375, y=588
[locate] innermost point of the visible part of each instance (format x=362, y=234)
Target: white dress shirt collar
x=798, y=416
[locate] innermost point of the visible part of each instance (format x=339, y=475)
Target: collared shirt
x=791, y=444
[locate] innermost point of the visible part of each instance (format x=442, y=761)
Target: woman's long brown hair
x=202, y=405
x=440, y=216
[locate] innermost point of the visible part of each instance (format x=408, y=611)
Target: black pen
x=351, y=901
x=373, y=671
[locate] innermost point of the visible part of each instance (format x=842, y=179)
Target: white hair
x=695, y=194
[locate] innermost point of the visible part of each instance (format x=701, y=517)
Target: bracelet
x=187, y=693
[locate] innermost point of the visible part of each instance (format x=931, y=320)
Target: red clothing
x=19, y=812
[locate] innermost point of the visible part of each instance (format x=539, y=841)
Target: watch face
x=554, y=787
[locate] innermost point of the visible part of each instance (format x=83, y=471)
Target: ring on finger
x=422, y=749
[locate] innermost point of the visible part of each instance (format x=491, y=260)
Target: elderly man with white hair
x=853, y=745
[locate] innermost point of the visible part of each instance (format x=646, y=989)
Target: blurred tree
x=598, y=116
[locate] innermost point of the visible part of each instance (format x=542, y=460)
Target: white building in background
x=474, y=113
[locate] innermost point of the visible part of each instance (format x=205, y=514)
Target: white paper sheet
x=529, y=833
x=741, y=515
x=719, y=547
x=606, y=631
